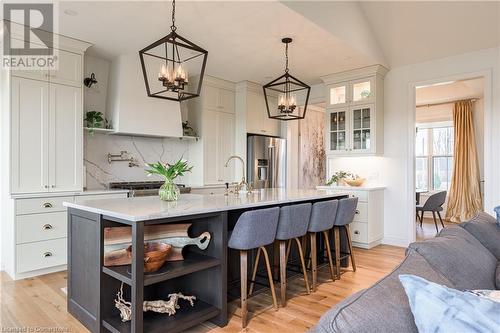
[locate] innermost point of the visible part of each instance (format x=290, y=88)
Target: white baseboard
x=395, y=241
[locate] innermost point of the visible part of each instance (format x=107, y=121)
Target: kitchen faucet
x=243, y=185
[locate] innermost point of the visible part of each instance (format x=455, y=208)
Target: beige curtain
x=465, y=194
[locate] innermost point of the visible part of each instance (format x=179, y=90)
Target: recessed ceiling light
x=70, y=12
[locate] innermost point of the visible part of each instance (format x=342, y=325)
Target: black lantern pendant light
x=288, y=90
x=165, y=65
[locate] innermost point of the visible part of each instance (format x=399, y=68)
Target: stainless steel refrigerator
x=266, y=161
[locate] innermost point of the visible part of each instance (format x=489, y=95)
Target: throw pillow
x=497, y=211
x=437, y=308
x=493, y=295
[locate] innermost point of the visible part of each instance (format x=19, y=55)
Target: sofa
x=464, y=257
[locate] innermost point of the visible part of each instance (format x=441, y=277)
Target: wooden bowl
x=355, y=182
x=155, y=255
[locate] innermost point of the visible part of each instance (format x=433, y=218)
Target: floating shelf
x=184, y=318
x=193, y=262
x=100, y=130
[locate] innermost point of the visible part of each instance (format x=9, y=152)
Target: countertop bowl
x=355, y=182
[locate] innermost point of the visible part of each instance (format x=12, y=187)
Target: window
x=434, y=156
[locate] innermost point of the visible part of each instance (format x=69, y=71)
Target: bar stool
x=345, y=215
x=254, y=230
x=322, y=220
x=293, y=224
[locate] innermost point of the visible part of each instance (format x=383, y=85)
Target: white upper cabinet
x=66, y=135
x=69, y=69
x=220, y=99
x=29, y=136
x=354, y=122
x=252, y=104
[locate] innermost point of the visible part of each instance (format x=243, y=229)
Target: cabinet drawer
x=40, y=227
x=33, y=256
x=41, y=205
x=361, y=214
x=81, y=198
x=359, y=232
x=362, y=195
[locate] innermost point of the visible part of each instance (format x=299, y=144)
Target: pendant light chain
x=286, y=57
x=173, y=27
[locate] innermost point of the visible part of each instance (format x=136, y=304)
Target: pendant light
x=165, y=65
x=283, y=94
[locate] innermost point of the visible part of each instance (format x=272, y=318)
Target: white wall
x=94, y=98
x=399, y=120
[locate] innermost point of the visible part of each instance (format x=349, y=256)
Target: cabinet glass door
x=338, y=130
x=338, y=94
x=361, y=128
x=362, y=91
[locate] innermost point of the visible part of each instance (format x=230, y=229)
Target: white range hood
x=131, y=110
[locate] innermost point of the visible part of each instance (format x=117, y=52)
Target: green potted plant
x=94, y=119
x=169, y=190
x=338, y=177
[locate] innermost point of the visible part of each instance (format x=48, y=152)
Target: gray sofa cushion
x=460, y=257
x=485, y=229
x=383, y=307
x=497, y=276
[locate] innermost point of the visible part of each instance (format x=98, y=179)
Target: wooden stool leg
x=243, y=277
x=349, y=242
x=336, y=234
x=283, y=261
x=254, y=273
x=303, y=263
x=329, y=253
x=313, y=260
x=270, y=276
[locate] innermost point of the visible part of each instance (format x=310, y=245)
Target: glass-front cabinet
x=355, y=112
x=349, y=130
x=351, y=92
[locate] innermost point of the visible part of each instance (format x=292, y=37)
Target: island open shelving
x=206, y=274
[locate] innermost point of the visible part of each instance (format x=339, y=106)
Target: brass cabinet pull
x=357, y=211
x=47, y=254
x=47, y=226
x=356, y=232
x=47, y=205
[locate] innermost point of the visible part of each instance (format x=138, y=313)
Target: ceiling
x=243, y=37
x=412, y=32
x=451, y=91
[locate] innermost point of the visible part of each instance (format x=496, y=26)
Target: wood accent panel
x=39, y=301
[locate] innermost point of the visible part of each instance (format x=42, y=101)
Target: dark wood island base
x=206, y=274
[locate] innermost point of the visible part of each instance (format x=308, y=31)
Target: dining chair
x=433, y=204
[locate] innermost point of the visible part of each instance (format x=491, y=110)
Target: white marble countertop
x=150, y=208
x=65, y=194
x=351, y=188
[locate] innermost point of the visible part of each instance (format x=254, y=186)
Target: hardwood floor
x=428, y=229
x=40, y=303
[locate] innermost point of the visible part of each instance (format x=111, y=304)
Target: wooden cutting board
x=117, y=239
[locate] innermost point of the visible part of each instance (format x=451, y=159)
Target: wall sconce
x=89, y=81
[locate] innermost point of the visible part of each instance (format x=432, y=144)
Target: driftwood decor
x=169, y=307
x=117, y=239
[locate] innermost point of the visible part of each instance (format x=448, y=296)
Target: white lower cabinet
x=367, y=228
x=41, y=233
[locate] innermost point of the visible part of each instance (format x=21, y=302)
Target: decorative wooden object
x=170, y=307
x=118, y=239
x=155, y=255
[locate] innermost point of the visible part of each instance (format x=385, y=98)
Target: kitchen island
x=206, y=274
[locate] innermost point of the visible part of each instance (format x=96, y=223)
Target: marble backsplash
x=144, y=149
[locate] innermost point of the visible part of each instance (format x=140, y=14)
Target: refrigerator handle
x=271, y=176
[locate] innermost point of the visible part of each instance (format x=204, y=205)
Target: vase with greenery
x=169, y=190
x=338, y=177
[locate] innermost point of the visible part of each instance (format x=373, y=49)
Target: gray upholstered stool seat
x=254, y=230
x=346, y=211
x=322, y=220
x=293, y=223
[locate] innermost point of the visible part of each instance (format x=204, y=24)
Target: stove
x=143, y=189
